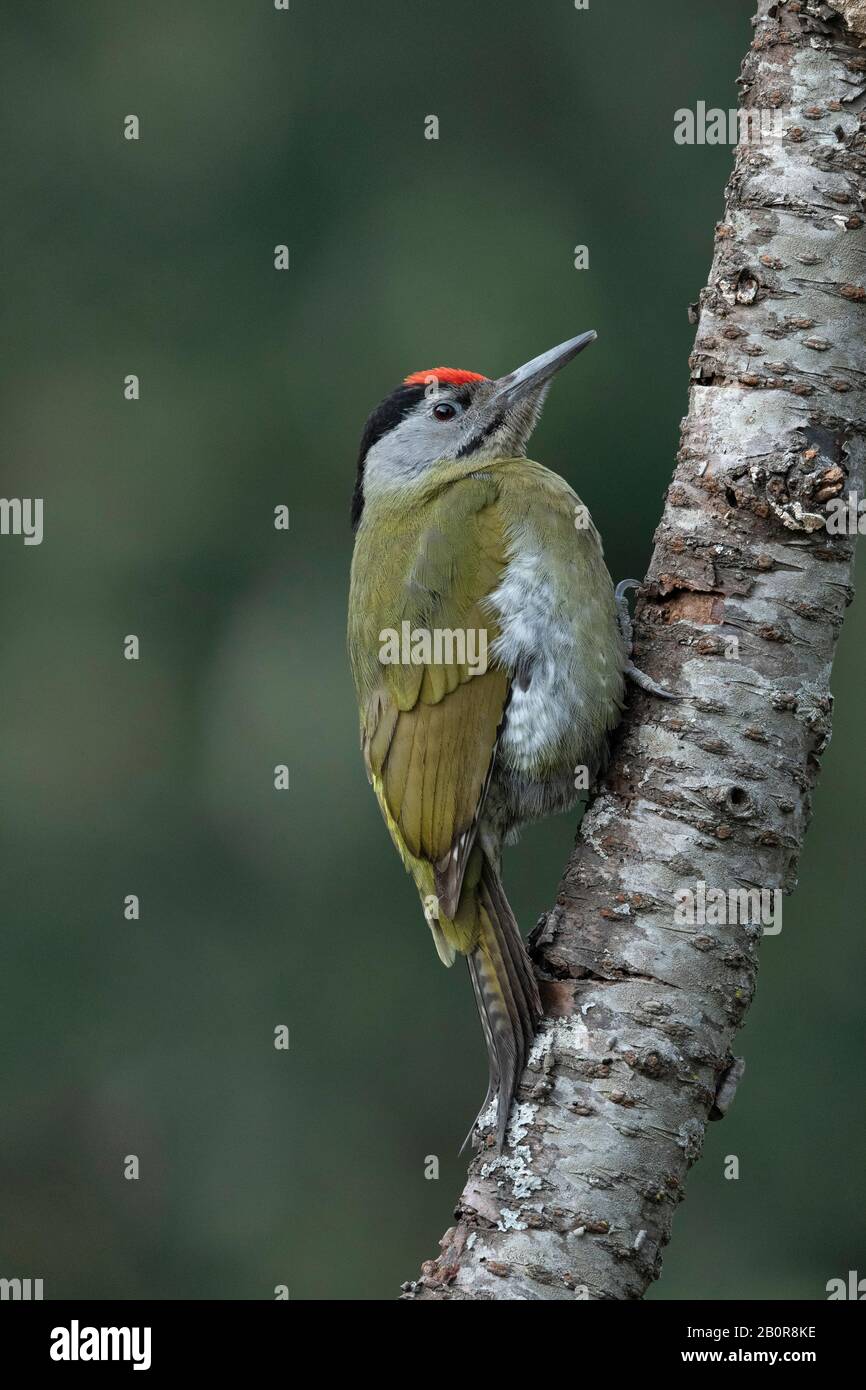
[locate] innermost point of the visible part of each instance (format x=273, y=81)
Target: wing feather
x=429, y=731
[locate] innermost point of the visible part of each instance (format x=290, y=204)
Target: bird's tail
x=506, y=994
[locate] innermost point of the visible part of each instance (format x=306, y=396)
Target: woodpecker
x=459, y=535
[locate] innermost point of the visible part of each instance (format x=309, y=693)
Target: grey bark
x=635, y=1051
x=854, y=14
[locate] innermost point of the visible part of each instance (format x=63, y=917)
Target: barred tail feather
x=506, y=994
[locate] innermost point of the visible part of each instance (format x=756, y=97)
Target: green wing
x=429, y=730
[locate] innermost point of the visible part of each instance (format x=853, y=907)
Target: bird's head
x=442, y=414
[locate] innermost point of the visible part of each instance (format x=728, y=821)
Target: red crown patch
x=447, y=376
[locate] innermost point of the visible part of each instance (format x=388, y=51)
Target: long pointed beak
x=533, y=374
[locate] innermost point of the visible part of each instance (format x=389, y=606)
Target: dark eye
x=444, y=410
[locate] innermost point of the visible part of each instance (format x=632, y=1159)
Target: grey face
x=451, y=423
x=478, y=420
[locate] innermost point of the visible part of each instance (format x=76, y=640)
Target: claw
x=623, y=617
x=647, y=683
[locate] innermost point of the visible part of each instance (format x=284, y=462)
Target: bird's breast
x=560, y=642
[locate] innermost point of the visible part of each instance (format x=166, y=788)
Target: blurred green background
x=155, y=777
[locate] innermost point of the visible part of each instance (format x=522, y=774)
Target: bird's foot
x=623, y=617
x=647, y=683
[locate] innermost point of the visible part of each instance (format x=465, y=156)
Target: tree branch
x=743, y=603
